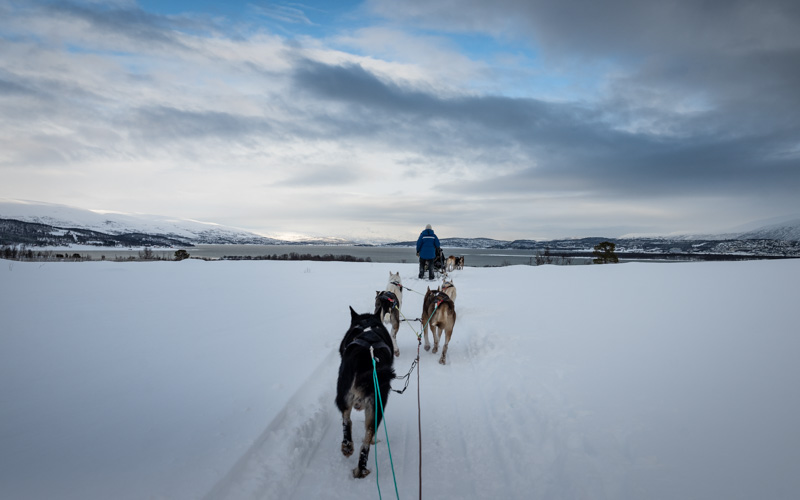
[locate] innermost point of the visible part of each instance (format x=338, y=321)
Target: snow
x=183, y=380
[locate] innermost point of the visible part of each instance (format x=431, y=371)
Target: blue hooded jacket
x=427, y=244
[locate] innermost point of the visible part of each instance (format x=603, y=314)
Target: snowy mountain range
x=36, y=223
x=63, y=217
x=786, y=231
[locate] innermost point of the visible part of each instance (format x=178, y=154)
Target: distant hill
x=644, y=247
x=778, y=240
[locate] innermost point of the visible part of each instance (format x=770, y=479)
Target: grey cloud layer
x=129, y=22
x=742, y=57
x=702, y=101
x=566, y=144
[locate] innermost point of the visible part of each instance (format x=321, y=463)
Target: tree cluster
x=298, y=256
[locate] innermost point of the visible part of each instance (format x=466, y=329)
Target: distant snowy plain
x=185, y=380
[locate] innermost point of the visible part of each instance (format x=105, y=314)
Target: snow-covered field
x=183, y=380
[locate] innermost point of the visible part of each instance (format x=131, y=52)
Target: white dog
x=449, y=289
x=396, y=286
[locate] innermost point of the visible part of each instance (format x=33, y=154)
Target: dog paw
x=427, y=348
x=435, y=349
x=347, y=448
x=397, y=353
x=442, y=361
x=359, y=473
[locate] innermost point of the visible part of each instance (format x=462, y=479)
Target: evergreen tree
x=604, y=253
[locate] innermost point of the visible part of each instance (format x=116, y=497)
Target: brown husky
x=438, y=311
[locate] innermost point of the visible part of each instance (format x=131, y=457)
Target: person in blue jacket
x=427, y=243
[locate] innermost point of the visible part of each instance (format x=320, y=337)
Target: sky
x=511, y=119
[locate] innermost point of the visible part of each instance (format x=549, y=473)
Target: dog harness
x=377, y=344
x=387, y=295
x=440, y=297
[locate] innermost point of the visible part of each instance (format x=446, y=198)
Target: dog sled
x=439, y=263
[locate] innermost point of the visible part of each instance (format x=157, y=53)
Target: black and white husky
x=356, y=386
x=388, y=304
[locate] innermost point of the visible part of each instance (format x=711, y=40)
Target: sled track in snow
x=276, y=462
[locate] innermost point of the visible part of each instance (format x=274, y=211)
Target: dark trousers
x=422, y=263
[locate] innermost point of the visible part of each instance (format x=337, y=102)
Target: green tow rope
x=385, y=430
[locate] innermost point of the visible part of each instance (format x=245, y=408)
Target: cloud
x=166, y=124
x=455, y=124
x=618, y=27
x=121, y=20
x=282, y=13
x=328, y=176
x=561, y=144
x=721, y=54
x=9, y=87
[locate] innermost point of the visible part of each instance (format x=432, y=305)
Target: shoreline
x=474, y=257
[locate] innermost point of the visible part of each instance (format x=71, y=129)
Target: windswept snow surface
x=185, y=380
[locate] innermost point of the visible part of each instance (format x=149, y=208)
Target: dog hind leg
x=395, y=328
x=425, y=331
x=443, y=359
x=369, y=434
x=347, y=433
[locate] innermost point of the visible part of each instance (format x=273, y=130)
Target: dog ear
x=353, y=315
x=377, y=293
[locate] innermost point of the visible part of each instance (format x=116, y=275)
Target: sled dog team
x=366, y=338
